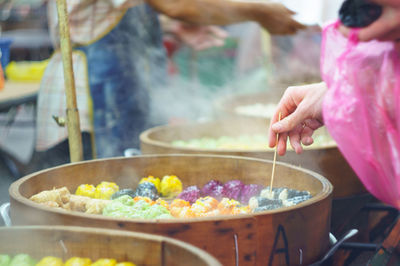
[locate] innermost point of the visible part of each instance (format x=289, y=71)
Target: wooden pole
x=73, y=126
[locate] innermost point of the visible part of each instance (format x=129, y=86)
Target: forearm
x=215, y=12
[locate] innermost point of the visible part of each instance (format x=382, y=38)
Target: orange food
x=226, y=205
x=146, y=199
x=162, y=203
x=203, y=205
x=180, y=203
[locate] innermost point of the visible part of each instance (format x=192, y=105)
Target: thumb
x=290, y=122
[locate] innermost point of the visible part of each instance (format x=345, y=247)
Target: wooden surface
x=73, y=125
x=325, y=160
x=94, y=243
x=305, y=227
x=18, y=90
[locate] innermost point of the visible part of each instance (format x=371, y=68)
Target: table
x=13, y=95
x=17, y=93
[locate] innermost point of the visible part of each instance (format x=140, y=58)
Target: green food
x=22, y=260
x=4, y=260
x=243, y=142
x=124, y=206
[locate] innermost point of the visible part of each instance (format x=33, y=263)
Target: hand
x=301, y=109
x=276, y=18
x=385, y=28
x=200, y=37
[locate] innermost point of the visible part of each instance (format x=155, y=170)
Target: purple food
x=249, y=191
x=190, y=194
x=214, y=189
x=233, y=189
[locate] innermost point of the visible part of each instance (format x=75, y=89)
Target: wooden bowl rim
x=326, y=192
x=144, y=137
x=206, y=257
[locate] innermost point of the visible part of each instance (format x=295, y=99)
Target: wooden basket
x=325, y=160
x=291, y=235
x=95, y=243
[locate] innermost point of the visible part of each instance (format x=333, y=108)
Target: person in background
x=118, y=56
x=301, y=106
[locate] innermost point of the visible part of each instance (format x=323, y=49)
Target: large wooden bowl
x=326, y=160
x=95, y=243
x=292, y=234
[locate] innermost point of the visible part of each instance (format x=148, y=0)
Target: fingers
x=375, y=31
x=387, y=27
x=294, y=137
x=281, y=149
x=218, y=32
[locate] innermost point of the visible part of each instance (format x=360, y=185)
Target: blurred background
x=251, y=60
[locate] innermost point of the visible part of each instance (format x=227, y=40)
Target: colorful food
x=147, y=189
x=127, y=207
x=249, y=191
x=4, y=260
x=214, y=198
x=277, y=198
x=86, y=190
x=122, y=192
x=155, y=180
x=22, y=260
x=50, y=261
x=26, y=260
x=233, y=189
x=213, y=188
x=170, y=186
x=104, y=262
x=105, y=190
x=190, y=194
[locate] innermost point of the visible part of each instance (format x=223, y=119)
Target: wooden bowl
x=288, y=235
x=324, y=159
x=95, y=243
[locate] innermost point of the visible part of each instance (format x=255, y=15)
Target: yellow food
x=171, y=186
x=105, y=262
x=50, y=261
x=104, y=190
x=86, y=190
x=75, y=261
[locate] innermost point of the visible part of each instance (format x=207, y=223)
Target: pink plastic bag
x=362, y=108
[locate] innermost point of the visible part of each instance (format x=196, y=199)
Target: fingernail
x=276, y=127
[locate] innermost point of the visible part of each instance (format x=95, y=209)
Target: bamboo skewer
x=73, y=126
x=274, y=162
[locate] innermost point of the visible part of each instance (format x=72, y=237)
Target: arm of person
x=301, y=110
x=386, y=27
x=274, y=17
x=196, y=37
